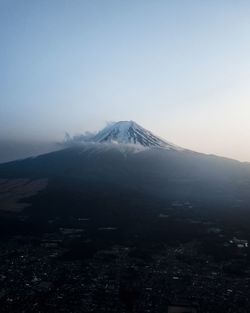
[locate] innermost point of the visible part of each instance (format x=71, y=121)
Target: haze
x=178, y=68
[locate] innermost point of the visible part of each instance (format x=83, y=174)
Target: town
x=74, y=270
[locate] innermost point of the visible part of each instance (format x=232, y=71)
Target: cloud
x=81, y=138
x=76, y=139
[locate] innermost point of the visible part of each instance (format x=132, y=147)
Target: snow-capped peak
x=129, y=132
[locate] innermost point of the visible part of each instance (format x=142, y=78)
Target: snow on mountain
x=126, y=134
x=129, y=132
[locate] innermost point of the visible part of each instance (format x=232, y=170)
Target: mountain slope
x=159, y=172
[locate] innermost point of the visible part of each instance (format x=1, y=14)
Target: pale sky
x=179, y=68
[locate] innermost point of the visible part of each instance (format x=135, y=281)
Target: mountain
x=129, y=132
x=108, y=177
